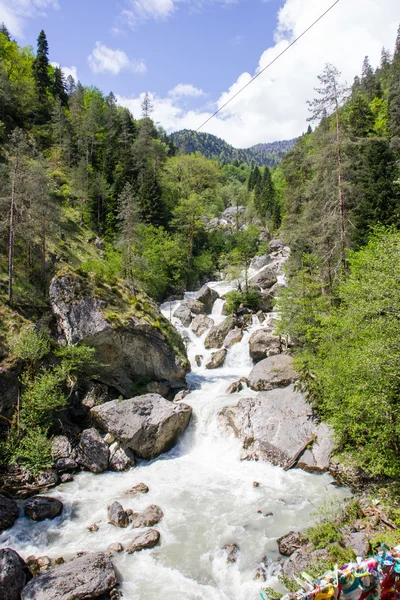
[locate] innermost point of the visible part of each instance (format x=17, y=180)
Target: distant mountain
x=212, y=146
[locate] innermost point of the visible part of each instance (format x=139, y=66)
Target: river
x=205, y=491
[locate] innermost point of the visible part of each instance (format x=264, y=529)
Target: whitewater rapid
x=206, y=494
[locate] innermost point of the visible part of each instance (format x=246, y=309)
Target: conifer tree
x=41, y=68
x=70, y=85
x=368, y=80
x=4, y=31
x=129, y=221
x=59, y=86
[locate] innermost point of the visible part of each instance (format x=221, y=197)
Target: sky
x=191, y=56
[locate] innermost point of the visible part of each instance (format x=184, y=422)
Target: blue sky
x=191, y=55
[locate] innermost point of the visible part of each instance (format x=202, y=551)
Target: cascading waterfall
x=205, y=491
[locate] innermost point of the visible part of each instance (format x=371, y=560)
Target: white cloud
x=185, y=89
x=274, y=107
x=14, y=13
x=106, y=60
x=141, y=10
x=67, y=70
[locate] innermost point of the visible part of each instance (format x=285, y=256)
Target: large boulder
x=217, y=334
x=217, y=359
x=277, y=426
x=207, y=296
x=61, y=447
x=14, y=575
x=302, y=558
x=273, y=372
x=148, y=425
x=260, y=342
x=195, y=306
x=258, y=262
x=290, y=542
x=117, y=515
x=92, y=451
x=120, y=459
x=200, y=324
x=184, y=314
x=265, y=278
x=8, y=512
x=127, y=346
x=39, y=508
x=86, y=577
x=234, y=337
x=149, y=517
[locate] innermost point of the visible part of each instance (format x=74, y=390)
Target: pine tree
x=129, y=221
x=70, y=85
x=368, y=80
x=59, y=86
x=150, y=198
x=147, y=107
x=4, y=31
x=361, y=119
x=41, y=68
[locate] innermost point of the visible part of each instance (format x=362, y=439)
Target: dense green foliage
x=214, y=147
x=341, y=202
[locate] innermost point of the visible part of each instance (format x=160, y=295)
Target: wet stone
x=140, y=488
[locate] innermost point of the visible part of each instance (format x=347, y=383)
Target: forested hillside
x=214, y=147
x=342, y=216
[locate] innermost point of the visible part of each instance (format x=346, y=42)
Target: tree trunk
x=11, y=236
x=341, y=193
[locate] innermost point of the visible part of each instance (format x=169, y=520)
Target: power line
x=271, y=63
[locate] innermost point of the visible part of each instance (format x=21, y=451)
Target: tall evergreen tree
x=4, y=31
x=70, y=85
x=129, y=221
x=368, y=80
x=41, y=68
x=59, y=86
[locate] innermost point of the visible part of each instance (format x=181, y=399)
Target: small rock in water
x=140, y=488
x=198, y=359
x=232, y=552
x=217, y=359
x=289, y=543
x=39, y=508
x=109, y=438
x=150, y=516
x=234, y=388
x=115, y=547
x=181, y=395
x=117, y=516
x=44, y=563
x=256, y=484
x=66, y=477
x=93, y=528
x=59, y=560
x=268, y=514
x=121, y=459
x=144, y=539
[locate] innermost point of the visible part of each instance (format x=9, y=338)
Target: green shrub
x=323, y=534
x=35, y=451
x=249, y=299
x=31, y=345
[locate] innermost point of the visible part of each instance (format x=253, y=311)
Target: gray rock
x=290, y=542
x=144, y=539
x=66, y=464
x=260, y=342
x=181, y=395
x=275, y=245
x=39, y=508
x=260, y=316
x=234, y=337
x=207, y=297
x=358, y=542
x=275, y=426
x=117, y=515
x=258, y=262
x=140, y=488
x=66, y=477
x=120, y=459
x=217, y=359
x=9, y=512
x=235, y=387
x=317, y=459
x=198, y=359
x=126, y=349
x=231, y=212
x=266, y=301
x=85, y=577
x=232, y=552
x=148, y=425
x=218, y=333
x=274, y=372
x=200, y=324
x=61, y=447
x=195, y=306
x=300, y=560
x=156, y=387
x=150, y=516
x=95, y=393
x=14, y=575
x=47, y=479
x=183, y=313
x=265, y=278
x=93, y=452
x=115, y=547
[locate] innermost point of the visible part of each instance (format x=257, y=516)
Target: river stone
x=260, y=342
x=235, y=387
x=157, y=387
x=181, y=395
x=274, y=426
x=195, y=306
x=317, y=459
x=300, y=560
x=148, y=425
x=117, y=515
x=139, y=488
x=115, y=547
x=144, y=539
x=207, y=297
x=234, y=337
x=39, y=508
x=150, y=516
x=14, y=575
x=9, y=512
x=66, y=477
x=358, y=542
x=198, y=359
x=232, y=552
x=184, y=314
x=120, y=459
x=126, y=349
x=258, y=262
x=85, y=577
x=273, y=372
x=290, y=542
x=66, y=464
x=93, y=452
x=217, y=359
x=61, y=447
x=218, y=333
x=264, y=279
x=200, y=324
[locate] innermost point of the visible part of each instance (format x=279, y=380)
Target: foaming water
x=205, y=491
